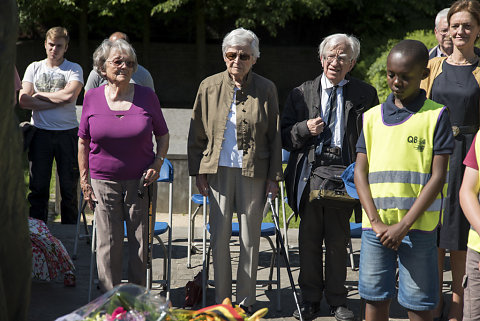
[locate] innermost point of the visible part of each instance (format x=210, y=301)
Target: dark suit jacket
x=303, y=103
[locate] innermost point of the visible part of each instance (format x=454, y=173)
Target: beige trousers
x=231, y=192
x=118, y=201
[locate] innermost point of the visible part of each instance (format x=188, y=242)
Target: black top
x=457, y=88
x=443, y=140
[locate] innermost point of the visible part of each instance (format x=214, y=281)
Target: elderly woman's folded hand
x=88, y=194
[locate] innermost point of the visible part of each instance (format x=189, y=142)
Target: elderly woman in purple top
x=115, y=146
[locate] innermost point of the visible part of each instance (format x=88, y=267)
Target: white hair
x=102, y=53
x=241, y=37
x=441, y=14
x=339, y=38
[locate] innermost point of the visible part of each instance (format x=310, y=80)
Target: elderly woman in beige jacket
x=234, y=150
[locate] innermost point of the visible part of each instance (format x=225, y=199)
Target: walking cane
x=283, y=251
x=150, y=225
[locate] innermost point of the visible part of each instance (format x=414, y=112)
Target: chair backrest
x=285, y=156
x=166, y=172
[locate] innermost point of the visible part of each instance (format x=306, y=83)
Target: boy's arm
x=365, y=195
x=394, y=234
x=66, y=95
x=469, y=198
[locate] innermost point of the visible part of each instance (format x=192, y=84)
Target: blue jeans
x=47, y=145
x=417, y=266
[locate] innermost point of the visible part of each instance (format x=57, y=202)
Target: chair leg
x=209, y=253
x=78, y=236
x=272, y=260
x=275, y=258
x=277, y=255
x=350, y=250
x=165, y=257
x=191, y=236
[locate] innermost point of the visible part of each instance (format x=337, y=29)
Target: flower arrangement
x=129, y=302
x=220, y=312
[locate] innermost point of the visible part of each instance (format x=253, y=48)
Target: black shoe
x=310, y=310
x=342, y=313
x=248, y=309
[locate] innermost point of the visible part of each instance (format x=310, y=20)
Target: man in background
x=445, y=45
x=50, y=89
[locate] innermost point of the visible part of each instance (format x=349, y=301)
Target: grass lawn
x=288, y=211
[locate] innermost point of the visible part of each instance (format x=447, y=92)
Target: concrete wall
x=178, y=122
x=180, y=187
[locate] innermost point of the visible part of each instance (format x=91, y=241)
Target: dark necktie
x=325, y=138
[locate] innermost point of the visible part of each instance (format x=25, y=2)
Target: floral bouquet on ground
x=220, y=312
x=130, y=302
x=126, y=302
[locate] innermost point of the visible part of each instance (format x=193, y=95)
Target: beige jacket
x=435, y=66
x=258, y=126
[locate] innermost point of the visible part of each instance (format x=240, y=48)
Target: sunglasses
x=120, y=62
x=233, y=55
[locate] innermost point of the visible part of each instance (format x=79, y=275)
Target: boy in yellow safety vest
x=471, y=207
x=402, y=161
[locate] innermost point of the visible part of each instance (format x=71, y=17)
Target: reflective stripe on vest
x=400, y=160
x=473, y=237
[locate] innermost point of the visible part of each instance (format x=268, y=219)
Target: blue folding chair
x=159, y=228
x=197, y=199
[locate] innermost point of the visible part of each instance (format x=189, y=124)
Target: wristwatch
x=160, y=157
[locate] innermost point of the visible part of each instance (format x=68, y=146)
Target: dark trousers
x=47, y=145
x=321, y=224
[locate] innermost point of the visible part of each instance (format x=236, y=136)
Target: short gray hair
x=102, y=53
x=441, y=14
x=339, y=38
x=241, y=37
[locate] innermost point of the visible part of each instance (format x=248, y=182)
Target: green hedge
x=377, y=73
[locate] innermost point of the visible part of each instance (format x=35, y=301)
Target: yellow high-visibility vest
x=400, y=160
x=473, y=237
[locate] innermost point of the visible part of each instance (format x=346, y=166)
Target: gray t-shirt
x=141, y=77
x=46, y=79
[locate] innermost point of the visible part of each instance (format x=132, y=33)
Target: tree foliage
x=269, y=14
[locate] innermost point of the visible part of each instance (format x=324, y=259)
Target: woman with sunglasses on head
x=234, y=150
x=115, y=147
x=455, y=82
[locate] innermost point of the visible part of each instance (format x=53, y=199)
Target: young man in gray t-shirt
x=50, y=89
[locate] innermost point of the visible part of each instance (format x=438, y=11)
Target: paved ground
x=50, y=300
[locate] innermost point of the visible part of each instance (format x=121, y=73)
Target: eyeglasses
x=233, y=55
x=341, y=59
x=120, y=62
x=443, y=32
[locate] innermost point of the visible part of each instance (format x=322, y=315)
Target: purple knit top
x=121, y=145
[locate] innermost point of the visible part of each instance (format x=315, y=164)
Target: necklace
x=465, y=62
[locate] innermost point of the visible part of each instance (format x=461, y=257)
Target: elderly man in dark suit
x=320, y=125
